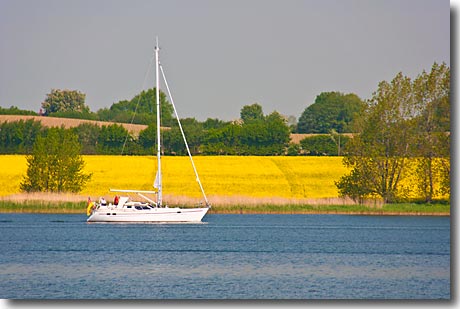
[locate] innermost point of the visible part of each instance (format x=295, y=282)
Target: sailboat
x=124, y=209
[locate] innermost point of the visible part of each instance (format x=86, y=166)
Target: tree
x=88, y=135
x=404, y=124
x=432, y=105
x=377, y=155
x=147, y=138
x=278, y=131
x=293, y=149
x=194, y=134
x=331, y=111
x=55, y=164
x=251, y=112
x=214, y=123
x=225, y=140
x=254, y=138
x=256, y=135
x=86, y=114
x=14, y=110
x=112, y=138
x=322, y=145
x=19, y=136
x=142, y=107
x=64, y=101
x=266, y=136
x=174, y=142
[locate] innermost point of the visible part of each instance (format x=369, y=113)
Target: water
x=226, y=257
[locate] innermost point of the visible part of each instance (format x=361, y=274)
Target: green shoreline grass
x=388, y=209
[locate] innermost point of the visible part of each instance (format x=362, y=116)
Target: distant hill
x=70, y=122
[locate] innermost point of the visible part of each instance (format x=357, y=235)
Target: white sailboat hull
x=153, y=215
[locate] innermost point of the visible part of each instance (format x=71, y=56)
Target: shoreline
x=353, y=213
x=78, y=209
x=344, y=213
x=47, y=203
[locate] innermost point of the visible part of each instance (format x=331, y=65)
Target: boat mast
x=158, y=180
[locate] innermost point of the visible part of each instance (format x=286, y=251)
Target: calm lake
x=226, y=257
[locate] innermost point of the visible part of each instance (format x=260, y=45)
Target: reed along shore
x=58, y=207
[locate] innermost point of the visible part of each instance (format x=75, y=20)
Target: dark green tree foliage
x=147, y=138
x=194, y=133
x=257, y=135
x=251, y=113
x=172, y=140
x=293, y=149
x=173, y=143
x=331, y=111
x=322, y=145
x=143, y=106
x=19, y=136
x=359, y=183
x=13, y=110
x=55, y=164
x=86, y=114
x=255, y=138
x=64, y=101
x=214, y=123
x=319, y=145
x=223, y=141
x=111, y=139
x=279, y=133
x=88, y=136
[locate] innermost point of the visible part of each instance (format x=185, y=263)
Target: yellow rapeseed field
x=12, y=170
x=226, y=179
x=252, y=176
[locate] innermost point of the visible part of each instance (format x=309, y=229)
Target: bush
x=55, y=164
x=322, y=145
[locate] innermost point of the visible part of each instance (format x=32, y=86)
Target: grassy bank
x=43, y=207
x=392, y=209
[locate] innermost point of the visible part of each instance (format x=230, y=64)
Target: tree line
x=330, y=111
x=259, y=135
x=252, y=134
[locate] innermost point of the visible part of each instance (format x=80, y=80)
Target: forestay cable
x=183, y=135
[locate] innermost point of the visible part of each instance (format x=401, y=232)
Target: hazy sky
x=218, y=55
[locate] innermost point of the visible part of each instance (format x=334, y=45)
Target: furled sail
x=156, y=184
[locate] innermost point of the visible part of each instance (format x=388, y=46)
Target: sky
x=218, y=55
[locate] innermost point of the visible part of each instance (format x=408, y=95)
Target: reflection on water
x=231, y=256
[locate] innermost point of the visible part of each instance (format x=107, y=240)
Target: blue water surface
x=226, y=257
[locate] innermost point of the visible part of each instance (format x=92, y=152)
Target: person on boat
x=116, y=200
x=102, y=201
x=90, y=207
